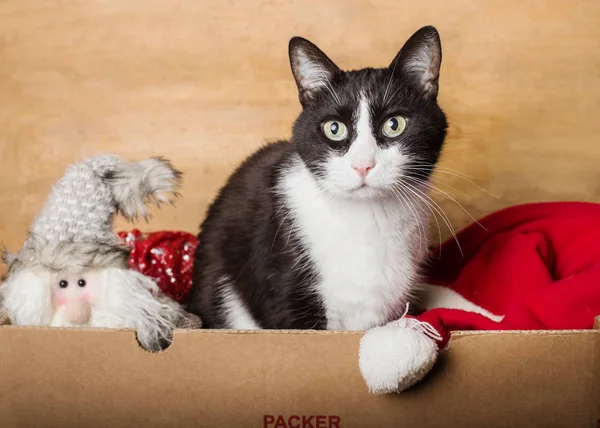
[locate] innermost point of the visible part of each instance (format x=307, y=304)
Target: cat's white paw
x=393, y=357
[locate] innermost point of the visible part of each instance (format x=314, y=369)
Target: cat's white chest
x=364, y=253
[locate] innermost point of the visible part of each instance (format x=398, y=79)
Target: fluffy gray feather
x=135, y=185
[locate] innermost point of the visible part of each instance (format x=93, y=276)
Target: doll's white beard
x=132, y=300
x=126, y=302
x=99, y=318
x=27, y=298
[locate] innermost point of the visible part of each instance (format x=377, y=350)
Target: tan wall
x=206, y=82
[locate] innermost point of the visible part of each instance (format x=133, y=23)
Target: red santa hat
x=529, y=267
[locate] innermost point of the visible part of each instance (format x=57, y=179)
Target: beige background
x=206, y=82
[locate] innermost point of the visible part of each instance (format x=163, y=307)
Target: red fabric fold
x=536, y=264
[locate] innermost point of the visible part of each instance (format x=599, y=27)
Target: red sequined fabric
x=167, y=257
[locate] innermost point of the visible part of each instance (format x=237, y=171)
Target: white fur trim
x=27, y=298
x=397, y=355
x=436, y=296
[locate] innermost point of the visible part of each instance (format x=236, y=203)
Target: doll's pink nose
x=78, y=312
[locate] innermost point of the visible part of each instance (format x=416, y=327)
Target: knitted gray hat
x=75, y=228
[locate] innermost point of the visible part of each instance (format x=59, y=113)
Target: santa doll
x=73, y=271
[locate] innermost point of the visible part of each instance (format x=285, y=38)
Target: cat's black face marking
x=407, y=88
x=423, y=138
x=252, y=268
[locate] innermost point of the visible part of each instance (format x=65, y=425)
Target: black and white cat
x=328, y=231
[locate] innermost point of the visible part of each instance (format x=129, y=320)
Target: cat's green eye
x=335, y=130
x=394, y=126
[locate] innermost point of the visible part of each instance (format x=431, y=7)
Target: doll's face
x=76, y=293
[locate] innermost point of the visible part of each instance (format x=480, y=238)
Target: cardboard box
x=205, y=83
x=57, y=378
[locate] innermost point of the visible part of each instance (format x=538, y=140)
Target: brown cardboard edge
x=178, y=331
x=128, y=337
x=456, y=335
x=187, y=337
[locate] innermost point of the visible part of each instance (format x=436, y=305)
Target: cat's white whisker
x=279, y=228
x=447, y=195
x=442, y=168
x=456, y=174
x=427, y=199
x=410, y=206
x=422, y=178
x=387, y=88
x=432, y=213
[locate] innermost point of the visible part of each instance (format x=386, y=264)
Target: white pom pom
x=393, y=357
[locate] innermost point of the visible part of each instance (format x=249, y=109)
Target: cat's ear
x=420, y=59
x=312, y=69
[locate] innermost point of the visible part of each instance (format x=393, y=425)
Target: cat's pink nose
x=363, y=168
